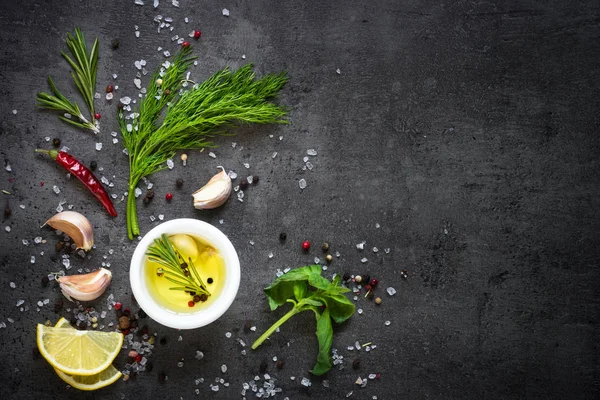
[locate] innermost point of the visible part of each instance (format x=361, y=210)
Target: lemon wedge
x=92, y=382
x=76, y=352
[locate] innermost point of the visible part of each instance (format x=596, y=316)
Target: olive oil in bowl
x=208, y=264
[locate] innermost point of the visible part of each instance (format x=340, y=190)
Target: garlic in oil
x=215, y=193
x=76, y=226
x=85, y=287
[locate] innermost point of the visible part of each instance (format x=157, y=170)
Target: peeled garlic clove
x=76, y=226
x=85, y=287
x=215, y=193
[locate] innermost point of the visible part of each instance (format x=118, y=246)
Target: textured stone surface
x=468, y=131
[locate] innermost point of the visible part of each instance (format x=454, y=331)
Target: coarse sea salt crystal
x=246, y=165
x=32, y=260
x=170, y=163
x=109, y=96
x=56, y=189
x=8, y=167
x=20, y=303
x=138, y=192
x=387, y=323
x=67, y=263
x=161, y=217
x=37, y=240
x=125, y=100
x=225, y=13
x=306, y=382
x=14, y=112
x=115, y=140
x=227, y=335
x=274, y=154
x=311, y=152
x=199, y=355
x=302, y=183
x=270, y=255
x=12, y=285
x=138, y=83
x=213, y=155
x=7, y=228
x=391, y=291
x=232, y=174
x=175, y=3
x=338, y=71
x=139, y=2
x=361, y=245
x=223, y=368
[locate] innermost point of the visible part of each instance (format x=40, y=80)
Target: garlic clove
x=76, y=226
x=85, y=287
x=215, y=193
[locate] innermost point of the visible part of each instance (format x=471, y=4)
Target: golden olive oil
x=209, y=264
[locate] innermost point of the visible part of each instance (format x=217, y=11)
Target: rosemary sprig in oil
x=175, y=269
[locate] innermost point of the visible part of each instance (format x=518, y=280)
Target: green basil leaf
x=325, y=338
x=316, y=280
x=300, y=291
x=339, y=306
x=284, y=287
x=279, y=293
x=312, y=302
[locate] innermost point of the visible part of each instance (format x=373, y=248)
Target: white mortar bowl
x=203, y=316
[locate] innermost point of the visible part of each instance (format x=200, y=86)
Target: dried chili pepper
x=81, y=172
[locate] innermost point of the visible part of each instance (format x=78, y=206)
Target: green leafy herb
x=84, y=74
x=307, y=290
x=61, y=103
x=174, y=267
x=191, y=117
x=84, y=66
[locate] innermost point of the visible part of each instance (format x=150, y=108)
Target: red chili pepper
x=81, y=172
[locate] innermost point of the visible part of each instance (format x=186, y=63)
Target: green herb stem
x=295, y=310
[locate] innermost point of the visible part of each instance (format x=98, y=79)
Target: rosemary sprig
x=84, y=71
x=163, y=253
x=84, y=67
x=192, y=117
x=61, y=103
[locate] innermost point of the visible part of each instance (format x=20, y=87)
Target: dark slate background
x=467, y=130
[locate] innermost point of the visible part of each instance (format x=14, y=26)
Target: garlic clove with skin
x=215, y=193
x=85, y=287
x=76, y=226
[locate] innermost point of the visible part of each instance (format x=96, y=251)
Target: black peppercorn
x=45, y=281
x=282, y=236
x=142, y=314
x=346, y=277
x=146, y=201
x=115, y=44
x=184, y=265
x=243, y=184
x=150, y=194
x=56, y=142
x=255, y=179
x=93, y=165
x=279, y=364
x=247, y=327
x=325, y=246
x=186, y=272
x=163, y=340
x=179, y=182
x=356, y=363
x=162, y=377
x=263, y=366
x=203, y=297
x=209, y=280
x=196, y=299
x=366, y=278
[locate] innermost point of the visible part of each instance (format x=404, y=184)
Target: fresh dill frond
x=192, y=117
